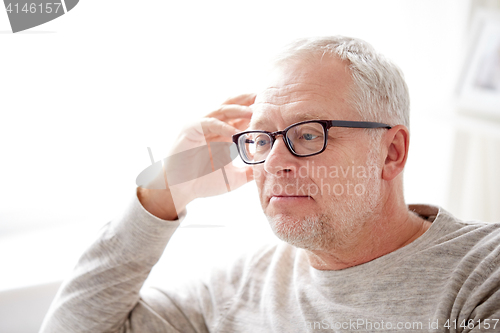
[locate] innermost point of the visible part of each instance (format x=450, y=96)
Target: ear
x=397, y=142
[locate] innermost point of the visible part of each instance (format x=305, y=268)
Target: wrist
x=159, y=203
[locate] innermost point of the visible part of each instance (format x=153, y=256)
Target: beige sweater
x=448, y=280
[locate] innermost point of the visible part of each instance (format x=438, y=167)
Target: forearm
x=159, y=203
x=104, y=287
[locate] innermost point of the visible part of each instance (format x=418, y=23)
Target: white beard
x=339, y=224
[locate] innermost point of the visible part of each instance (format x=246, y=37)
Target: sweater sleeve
x=102, y=293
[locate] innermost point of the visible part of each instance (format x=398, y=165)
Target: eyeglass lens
x=303, y=139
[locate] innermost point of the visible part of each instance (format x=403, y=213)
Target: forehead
x=300, y=91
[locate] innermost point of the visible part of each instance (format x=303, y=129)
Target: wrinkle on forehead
x=294, y=117
x=296, y=105
x=296, y=92
x=303, y=92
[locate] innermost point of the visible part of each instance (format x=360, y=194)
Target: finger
x=240, y=124
x=233, y=111
x=216, y=127
x=238, y=176
x=246, y=170
x=244, y=99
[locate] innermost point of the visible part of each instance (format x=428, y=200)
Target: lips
x=291, y=197
x=290, y=200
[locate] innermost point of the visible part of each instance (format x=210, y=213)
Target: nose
x=280, y=159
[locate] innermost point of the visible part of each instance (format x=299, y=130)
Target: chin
x=307, y=232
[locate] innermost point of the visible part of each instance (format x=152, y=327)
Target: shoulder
x=474, y=247
x=465, y=246
x=469, y=235
x=451, y=230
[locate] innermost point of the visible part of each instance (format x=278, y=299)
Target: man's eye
x=308, y=136
x=262, y=142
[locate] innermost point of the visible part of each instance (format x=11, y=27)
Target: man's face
x=320, y=201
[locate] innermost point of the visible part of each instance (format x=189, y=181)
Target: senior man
x=326, y=143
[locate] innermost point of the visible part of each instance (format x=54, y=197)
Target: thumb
x=238, y=176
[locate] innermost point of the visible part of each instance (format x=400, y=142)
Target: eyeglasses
x=303, y=139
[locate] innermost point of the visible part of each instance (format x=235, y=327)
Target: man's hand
x=218, y=126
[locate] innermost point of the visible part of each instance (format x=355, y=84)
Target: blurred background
x=83, y=96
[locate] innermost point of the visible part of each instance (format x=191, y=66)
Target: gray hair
x=379, y=91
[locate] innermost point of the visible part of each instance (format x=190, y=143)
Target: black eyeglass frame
x=327, y=124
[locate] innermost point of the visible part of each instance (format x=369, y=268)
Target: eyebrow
x=296, y=118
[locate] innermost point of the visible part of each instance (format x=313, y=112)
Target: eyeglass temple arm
x=358, y=124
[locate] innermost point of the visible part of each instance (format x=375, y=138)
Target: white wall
x=83, y=96
x=81, y=103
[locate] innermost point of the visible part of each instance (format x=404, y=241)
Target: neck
x=391, y=228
